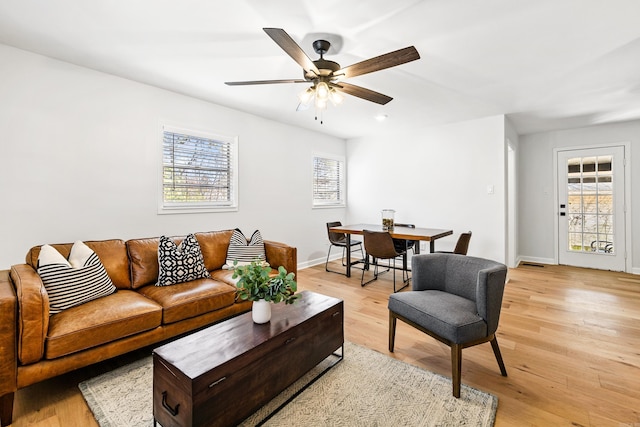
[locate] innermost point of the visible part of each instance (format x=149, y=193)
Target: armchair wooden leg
x=456, y=368
x=496, y=351
x=6, y=409
x=392, y=331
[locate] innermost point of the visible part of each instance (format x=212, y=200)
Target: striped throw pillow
x=68, y=286
x=245, y=251
x=179, y=264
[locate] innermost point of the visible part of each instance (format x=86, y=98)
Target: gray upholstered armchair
x=456, y=299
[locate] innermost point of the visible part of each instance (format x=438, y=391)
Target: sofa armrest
x=281, y=254
x=8, y=351
x=33, y=313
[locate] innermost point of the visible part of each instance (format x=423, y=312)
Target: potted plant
x=255, y=284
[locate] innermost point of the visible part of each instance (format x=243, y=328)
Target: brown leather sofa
x=35, y=346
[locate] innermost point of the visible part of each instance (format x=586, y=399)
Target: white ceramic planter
x=261, y=311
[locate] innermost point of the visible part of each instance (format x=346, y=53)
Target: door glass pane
x=590, y=204
x=590, y=223
x=605, y=224
x=575, y=241
x=575, y=224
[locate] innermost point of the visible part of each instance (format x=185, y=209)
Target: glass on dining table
x=387, y=219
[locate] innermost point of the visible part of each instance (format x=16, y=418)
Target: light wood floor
x=570, y=339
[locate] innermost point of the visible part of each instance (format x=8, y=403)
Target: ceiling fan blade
x=292, y=48
x=381, y=62
x=264, y=82
x=363, y=93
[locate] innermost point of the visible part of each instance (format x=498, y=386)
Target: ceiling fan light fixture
x=321, y=104
x=322, y=91
x=335, y=97
x=306, y=96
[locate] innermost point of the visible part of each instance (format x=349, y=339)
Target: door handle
x=563, y=206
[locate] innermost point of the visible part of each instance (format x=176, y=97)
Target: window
x=328, y=181
x=199, y=172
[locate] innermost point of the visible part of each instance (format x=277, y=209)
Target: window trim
x=342, y=203
x=194, y=207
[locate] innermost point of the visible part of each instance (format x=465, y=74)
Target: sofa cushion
x=100, y=321
x=190, y=299
x=450, y=316
x=180, y=263
x=226, y=276
x=245, y=251
x=112, y=254
x=213, y=245
x=143, y=255
x=69, y=286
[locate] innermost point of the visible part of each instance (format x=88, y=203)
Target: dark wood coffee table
x=220, y=375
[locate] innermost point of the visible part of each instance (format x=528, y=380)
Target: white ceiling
x=547, y=64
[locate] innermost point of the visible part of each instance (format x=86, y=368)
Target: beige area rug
x=365, y=389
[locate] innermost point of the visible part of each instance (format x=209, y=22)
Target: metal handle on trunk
x=166, y=406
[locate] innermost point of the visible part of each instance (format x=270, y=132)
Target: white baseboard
x=317, y=261
x=519, y=260
x=549, y=261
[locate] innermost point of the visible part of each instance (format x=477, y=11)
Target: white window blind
x=328, y=181
x=198, y=171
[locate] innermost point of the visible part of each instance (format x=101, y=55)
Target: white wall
x=435, y=177
x=80, y=156
x=536, y=185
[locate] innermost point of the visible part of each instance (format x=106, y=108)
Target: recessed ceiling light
x=381, y=117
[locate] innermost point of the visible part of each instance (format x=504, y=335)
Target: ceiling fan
x=327, y=77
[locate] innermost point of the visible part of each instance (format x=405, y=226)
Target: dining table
x=397, y=232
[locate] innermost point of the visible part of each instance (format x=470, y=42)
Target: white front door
x=591, y=217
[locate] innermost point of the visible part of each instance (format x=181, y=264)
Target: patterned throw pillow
x=179, y=264
x=72, y=283
x=245, y=251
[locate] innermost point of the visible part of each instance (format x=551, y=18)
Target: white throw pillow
x=68, y=286
x=80, y=253
x=49, y=255
x=245, y=251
